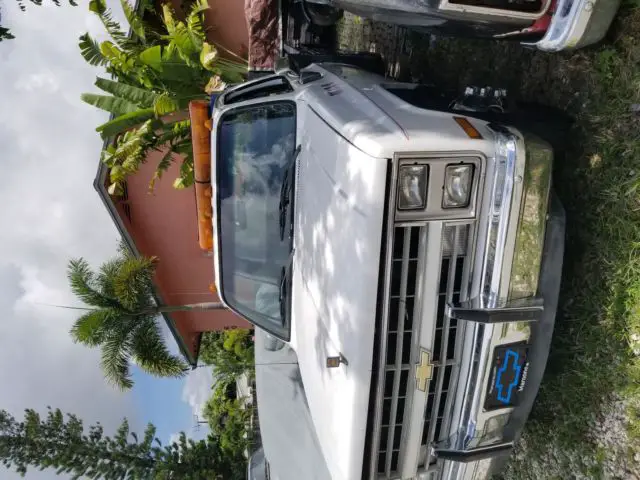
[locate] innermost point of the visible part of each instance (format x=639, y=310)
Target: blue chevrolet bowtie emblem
x=509, y=364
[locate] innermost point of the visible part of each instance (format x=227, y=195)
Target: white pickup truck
x=400, y=255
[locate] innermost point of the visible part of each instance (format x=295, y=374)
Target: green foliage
x=122, y=320
x=229, y=417
x=122, y=317
x=125, y=157
x=138, y=96
x=164, y=63
x=125, y=123
x=60, y=442
x=115, y=105
x=230, y=352
x=117, y=34
x=90, y=51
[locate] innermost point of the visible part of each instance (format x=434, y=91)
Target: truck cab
x=399, y=254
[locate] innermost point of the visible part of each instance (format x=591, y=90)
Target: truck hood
x=340, y=204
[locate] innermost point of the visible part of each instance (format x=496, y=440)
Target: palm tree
x=122, y=317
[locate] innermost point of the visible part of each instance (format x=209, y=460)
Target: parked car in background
x=549, y=25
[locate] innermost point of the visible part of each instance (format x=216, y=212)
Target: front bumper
x=476, y=464
x=577, y=24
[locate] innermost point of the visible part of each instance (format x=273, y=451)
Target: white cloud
x=50, y=212
x=197, y=389
x=174, y=438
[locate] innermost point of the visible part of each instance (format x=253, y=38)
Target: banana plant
x=176, y=58
x=141, y=125
x=156, y=73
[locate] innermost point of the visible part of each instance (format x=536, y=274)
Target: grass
x=592, y=366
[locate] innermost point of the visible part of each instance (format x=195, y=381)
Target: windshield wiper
x=285, y=284
x=286, y=190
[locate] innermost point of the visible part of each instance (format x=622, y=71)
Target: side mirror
x=273, y=344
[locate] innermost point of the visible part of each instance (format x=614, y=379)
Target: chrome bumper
x=578, y=23
x=462, y=461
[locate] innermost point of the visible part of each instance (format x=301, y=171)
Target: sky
x=50, y=213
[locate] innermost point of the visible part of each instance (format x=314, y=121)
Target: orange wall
x=164, y=224
x=226, y=25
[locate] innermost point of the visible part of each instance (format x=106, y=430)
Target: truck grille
x=396, y=369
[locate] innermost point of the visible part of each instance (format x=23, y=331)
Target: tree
x=60, y=442
x=229, y=417
x=230, y=352
x=157, y=69
x=122, y=318
x=5, y=34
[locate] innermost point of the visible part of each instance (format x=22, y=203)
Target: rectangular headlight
x=412, y=187
x=458, y=180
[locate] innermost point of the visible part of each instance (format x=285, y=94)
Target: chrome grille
x=401, y=346
x=444, y=349
x=397, y=366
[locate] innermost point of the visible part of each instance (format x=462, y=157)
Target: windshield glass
x=255, y=145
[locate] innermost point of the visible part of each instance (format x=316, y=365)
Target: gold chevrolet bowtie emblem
x=424, y=370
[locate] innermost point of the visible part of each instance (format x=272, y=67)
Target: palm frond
x=186, y=37
x=186, y=177
x=194, y=22
x=115, y=356
x=162, y=167
x=89, y=328
x=90, y=50
x=125, y=157
x=81, y=280
x=133, y=283
x=125, y=122
x=106, y=273
x=143, y=98
x=109, y=103
x=134, y=20
x=197, y=8
x=113, y=28
x=175, y=131
x=123, y=249
x=151, y=354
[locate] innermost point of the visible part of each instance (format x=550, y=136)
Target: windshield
x=255, y=145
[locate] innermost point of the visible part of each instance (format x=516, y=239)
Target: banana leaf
x=109, y=103
x=125, y=122
x=139, y=96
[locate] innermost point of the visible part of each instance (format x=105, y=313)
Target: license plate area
x=508, y=376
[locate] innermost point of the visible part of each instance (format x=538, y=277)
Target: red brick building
x=164, y=224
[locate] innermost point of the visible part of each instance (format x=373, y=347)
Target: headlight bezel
x=437, y=162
